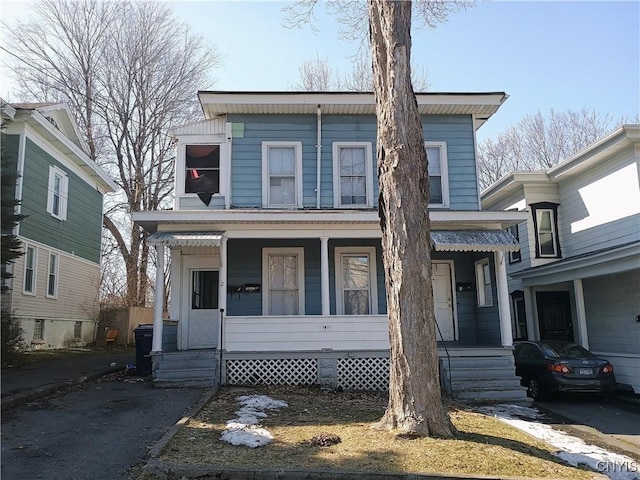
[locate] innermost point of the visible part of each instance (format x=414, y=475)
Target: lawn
x=486, y=446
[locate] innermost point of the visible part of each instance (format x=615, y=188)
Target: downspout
x=318, y=155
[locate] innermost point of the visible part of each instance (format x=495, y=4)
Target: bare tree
x=317, y=75
x=128, y=70
x=538, y=142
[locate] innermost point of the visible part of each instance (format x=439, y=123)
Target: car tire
x=534, y=389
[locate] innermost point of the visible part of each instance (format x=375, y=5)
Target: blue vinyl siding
x=81, y=233
x=455, y=130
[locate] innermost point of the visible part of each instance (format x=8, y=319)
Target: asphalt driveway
x=96, y=430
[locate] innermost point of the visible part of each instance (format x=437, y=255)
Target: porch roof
x=186, y=239
x=473, y=241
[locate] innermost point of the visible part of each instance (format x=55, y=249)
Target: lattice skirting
x=363, y=373
x=290, y=371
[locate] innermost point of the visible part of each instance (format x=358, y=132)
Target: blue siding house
x=276, y=260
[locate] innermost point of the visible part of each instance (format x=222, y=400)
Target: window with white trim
x=356, y=285
x=58, y=192
x=202, y=169
x=438, y=173
x=352, y=174
x=282, y=174
x=545, y=222
x=283, y=281
x=483, y=283
x=52, y=277
x=30, y=270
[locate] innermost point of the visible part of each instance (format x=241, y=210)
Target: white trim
x=370, y=252
x=444, y=172
x=297, y=146
x=481, y=284
x=34, y=279
x=156, y=339
x=55, y=275
x=294, y=251
x=552, y=220
x=337, y=197
x=63, y=194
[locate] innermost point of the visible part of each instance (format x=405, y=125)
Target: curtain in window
x=355, y=284
x=353, y=189
x=283, y=285
x=282, y=176
x=435, y=175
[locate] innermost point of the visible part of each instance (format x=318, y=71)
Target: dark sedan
x=552, y=366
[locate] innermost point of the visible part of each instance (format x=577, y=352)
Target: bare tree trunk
x=415, y=404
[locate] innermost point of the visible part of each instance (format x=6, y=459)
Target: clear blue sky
x=544, y=55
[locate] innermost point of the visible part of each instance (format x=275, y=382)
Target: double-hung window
x=514, y=257
x=356, y=290
x=353, y=175
x=282, y=174
x=438, y=174
x=202, y=169
x=545, y=222
x=483, y=283
x=283, y=278
x=52, y=278
x=58, y=191
x=30, y=270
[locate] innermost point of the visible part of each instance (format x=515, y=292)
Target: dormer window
x=545, y=224
x=202, y=173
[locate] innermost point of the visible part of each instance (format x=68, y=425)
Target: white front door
x=443, y=301
x=203, y=323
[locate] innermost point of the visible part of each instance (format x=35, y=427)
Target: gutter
x=318, y=155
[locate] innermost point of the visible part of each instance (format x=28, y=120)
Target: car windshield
x=564, y=350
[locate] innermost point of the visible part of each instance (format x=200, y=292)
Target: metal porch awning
x=186, y=239
x=473, y=241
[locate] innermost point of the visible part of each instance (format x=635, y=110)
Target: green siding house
x=55, y=286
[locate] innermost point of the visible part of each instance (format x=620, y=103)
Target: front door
x=204, y=316
x=554, y=316
x=443, y=301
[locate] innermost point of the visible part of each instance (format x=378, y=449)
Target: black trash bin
x=144, y=342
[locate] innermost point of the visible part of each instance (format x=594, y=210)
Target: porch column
x=506, y=332
x=324, y=274
x=222, y=287
x=533, y=333
x=156, y=345
x=583, y=334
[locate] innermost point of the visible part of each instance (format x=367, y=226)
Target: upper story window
x=352, y=174
x=438, y=174
x=483, y=283
x=545, y=224
x=356, y=291
x=202, y=169
x=30, y=270
x=58, y=190
x=282, y=174
x=514, y=257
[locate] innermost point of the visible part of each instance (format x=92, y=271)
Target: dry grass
x=486, y=446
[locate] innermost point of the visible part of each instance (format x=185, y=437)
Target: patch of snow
x=245, y=429
x=570, y=449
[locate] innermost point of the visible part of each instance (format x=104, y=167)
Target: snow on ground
x=570, y=449
x=245, y=428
